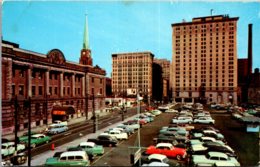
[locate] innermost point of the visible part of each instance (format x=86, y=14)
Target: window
x=101, y=91
x=92, y=91
x=21, y=73
x=55, y=90
x=68, y=91
x=33, y=74
x=21, y=90
x=101, y=81
x=13, y=90
x=33, y=90
x=50, y=90
x=92, y=79
x=40, y=90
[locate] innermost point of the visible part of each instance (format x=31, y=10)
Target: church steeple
x=85, y=57
x=85, y=37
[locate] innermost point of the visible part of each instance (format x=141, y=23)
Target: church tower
x=85, y=57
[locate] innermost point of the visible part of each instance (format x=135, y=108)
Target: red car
x=167, y=149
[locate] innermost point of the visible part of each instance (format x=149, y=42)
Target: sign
x=57, y=112
x=136, y=156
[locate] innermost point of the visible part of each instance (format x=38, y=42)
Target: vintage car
x=56, y=128
x=212, y=157
x=61, y=122
x=126, y=129
x=133, y=125
x=38, y=139
x=156, y=112
x=69, y=158
x=25, y=136
x=167, y=149
x=90, y=148
x=181, y=120
x=116, y=133
x=8, y=148
x=104, y=140
x=213, y=134
x=162, y=160
x=205, y=139
x=204, y=120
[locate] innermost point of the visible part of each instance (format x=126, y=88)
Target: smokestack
x=250, y=56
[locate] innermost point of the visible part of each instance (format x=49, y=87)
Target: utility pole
x=86, y=107
x=94, y=114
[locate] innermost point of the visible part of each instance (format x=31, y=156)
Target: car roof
x=92, y=144
x=37, y=135
x=219, y=154
x=164, y=144
x=157, y=156
x=8, y=143
x=73, y=153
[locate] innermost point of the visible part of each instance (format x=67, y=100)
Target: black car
x=222, y=149
x=175, y=136
x=105, y=140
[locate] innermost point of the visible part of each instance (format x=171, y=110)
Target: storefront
x=62, y=113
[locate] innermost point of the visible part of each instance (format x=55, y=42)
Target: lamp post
x=93, y=113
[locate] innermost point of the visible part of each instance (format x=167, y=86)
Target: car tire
x=178, y=157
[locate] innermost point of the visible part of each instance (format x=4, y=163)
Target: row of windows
x=39, y=75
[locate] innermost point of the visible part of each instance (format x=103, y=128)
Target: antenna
x=211, y=11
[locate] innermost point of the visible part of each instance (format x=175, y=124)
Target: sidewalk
x=42, y=128
x=41, y=158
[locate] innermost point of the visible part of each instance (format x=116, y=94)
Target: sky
x=117, y=26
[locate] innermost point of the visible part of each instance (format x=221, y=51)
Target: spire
x=85, y=38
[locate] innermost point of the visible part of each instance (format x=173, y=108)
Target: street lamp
x=95, y=120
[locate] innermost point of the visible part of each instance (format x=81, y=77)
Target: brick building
x=59, y=89
x=204, y=60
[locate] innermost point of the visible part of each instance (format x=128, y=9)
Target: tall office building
x=132, y=72
x=165, y=64
x=204, y=60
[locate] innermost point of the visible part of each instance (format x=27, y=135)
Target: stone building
x=58, y=88
x=204, y=60
x=132, y=72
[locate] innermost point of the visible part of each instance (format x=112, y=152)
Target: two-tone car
x=8, y=148
x=56, y=128
x=116, y=133
x=204, y=120
x=69, y=158
x=213, y=157
x=167, y=149
x=37, y=139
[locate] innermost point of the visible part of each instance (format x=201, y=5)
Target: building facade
x=165, y=64
x=204, y=60
x=57, y=88
x=132, y=72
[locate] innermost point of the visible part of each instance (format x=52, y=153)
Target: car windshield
x=3, y=147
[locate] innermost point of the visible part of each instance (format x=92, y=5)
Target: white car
x=9, y=148
x=181, y=120
x=171, y=111
x=131, y=125
x=160, y=160
x=204, y=120
x=61, y=122
x=118, y=134
x=212, y=158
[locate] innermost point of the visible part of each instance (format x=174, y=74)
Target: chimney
x=250, y=56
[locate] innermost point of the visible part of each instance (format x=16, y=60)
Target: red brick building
x=58, y=89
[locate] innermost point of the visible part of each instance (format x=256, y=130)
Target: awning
x=63, y=110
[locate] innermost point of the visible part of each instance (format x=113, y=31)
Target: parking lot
x=245, y=144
